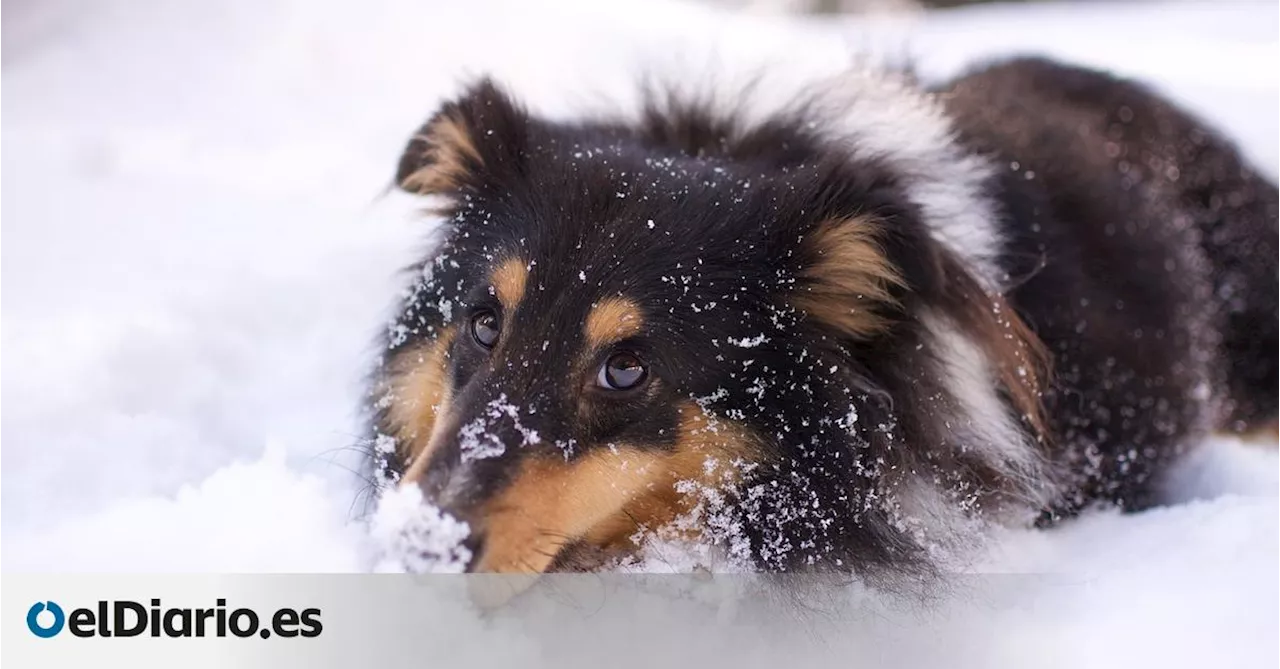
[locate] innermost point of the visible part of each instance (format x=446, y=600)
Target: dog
x=834, y=335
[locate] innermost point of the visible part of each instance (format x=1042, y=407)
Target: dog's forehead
x=667, y=235
x=614, y=224
x=636, y=261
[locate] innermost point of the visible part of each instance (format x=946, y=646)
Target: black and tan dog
x=829, y=336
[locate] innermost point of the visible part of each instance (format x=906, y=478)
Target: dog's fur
x=867, y=317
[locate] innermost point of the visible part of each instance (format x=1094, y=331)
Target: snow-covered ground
x=201, y=250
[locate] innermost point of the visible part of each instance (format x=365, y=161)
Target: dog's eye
x=622, y=371
x=485, y=328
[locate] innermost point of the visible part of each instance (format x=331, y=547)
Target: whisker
x=555, y=535
x=527, y=566
x=633, y=519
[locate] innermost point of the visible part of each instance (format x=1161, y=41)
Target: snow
x=202, y=250
x=413, y=536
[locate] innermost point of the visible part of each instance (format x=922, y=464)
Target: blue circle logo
x=33, y=619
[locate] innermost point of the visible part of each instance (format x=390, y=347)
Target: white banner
x=615, y=620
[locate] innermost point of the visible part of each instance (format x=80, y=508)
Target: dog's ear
x=846, y=281
x=471, y=141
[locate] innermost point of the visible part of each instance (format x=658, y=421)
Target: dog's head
x=624, y=320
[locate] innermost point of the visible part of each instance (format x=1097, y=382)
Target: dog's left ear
x=472, y=141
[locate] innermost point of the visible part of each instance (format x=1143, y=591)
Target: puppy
x=831, y=336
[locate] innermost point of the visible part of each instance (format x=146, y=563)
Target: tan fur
x=612, y=319
x=508, y=282
x=1022, y=363
x=448, y=154
x=1020, y=358
x=419, y=388
x=709, y=452
x=605, y=496
x=551, y=502
x=849, y=280
x=1265, y=434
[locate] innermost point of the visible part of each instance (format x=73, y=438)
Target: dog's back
x=1158, y=301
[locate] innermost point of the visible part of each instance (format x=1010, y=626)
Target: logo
x=33, y=619
x=124, y=618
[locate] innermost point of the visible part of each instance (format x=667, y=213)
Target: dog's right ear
x=471, y=141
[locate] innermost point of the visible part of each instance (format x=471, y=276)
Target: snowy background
x=201, y=249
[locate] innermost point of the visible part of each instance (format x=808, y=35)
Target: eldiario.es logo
x=125, y=618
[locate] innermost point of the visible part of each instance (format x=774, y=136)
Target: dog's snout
x=443, y=489
x=477, y=469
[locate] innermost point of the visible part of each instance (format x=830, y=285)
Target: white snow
x=201, y=251
x=749, y=342
x=413, y=536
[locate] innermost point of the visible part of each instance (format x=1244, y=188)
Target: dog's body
x=828, y=337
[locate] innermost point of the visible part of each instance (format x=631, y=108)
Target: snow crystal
x=384, y=444
x=478, y=442
x=748, y=342
x=850, y=420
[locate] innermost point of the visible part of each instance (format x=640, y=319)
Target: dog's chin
x=574, y=558
x=490, y=591
x=581, y=557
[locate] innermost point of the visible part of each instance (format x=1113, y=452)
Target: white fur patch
x=987, y=423
x=884, y=115
x=943, y=528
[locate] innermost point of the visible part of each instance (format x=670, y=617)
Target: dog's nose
x=474, y=543
x=433, y=482
x=442, y=487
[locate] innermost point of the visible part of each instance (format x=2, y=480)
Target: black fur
x=1139, y=247
x=1150, y=252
